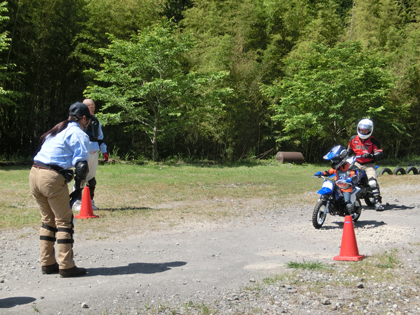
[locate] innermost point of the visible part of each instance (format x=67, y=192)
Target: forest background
x=212, y=79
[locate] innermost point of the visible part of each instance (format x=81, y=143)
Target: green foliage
x=120, y=18
x=240, y=44
x=4, y=44
x=379, y=23
x=174, y=9
x=4, y=40
x=45, y=78
x=391, y=28
x=145, y=85
x=231, y=36
x=327, y=91
x=325, y=27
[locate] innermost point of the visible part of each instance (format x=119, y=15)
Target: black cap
x=79, y=109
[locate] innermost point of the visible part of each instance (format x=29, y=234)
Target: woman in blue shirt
x=63, y=147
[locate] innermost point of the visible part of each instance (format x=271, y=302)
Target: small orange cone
x=86, y=211
x=349, y=250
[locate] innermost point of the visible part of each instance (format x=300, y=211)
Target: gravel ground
x=220, y=269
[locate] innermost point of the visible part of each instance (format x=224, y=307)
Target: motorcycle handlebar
x=320, y=176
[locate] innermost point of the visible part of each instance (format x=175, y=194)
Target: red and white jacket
x=370, y=146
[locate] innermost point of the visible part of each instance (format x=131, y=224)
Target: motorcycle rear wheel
x=319, y=215
x=370, y=201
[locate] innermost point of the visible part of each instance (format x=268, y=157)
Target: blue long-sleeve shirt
x=66, y=148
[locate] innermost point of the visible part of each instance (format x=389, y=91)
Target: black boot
x=72, y=272
x=49, y=270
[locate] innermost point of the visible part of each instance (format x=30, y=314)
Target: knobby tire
x=319, y=215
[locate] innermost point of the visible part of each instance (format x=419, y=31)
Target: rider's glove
x=367, y=156
x=319, y=173
x=349, y=180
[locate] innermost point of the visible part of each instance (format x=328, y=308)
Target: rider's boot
x=378, y=205
x=376, y=194
x=349, y=208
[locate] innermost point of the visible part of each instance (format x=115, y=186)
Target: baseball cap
x=79, y=109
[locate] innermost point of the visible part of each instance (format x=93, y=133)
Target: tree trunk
x=154, y=140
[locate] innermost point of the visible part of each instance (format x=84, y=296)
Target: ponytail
x=58, y=128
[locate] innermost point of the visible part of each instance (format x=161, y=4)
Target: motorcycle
x=332, y=201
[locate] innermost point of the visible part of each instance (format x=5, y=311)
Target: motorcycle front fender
x=327, y=188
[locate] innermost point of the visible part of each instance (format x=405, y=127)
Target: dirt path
x=174, y=267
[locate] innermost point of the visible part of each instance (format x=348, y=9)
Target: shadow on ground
x=145, y=268
x=126, y=208
x=14, y=301
x=366, y=224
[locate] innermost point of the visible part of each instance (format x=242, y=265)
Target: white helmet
x=365, y=128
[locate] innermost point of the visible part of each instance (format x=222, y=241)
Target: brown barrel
x=289, y=157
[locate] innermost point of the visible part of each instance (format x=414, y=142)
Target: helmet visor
x=365, y=129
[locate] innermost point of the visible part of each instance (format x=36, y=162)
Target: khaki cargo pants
x=51, y=192
x=369, y=168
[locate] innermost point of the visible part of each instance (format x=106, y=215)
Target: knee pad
x=68, y=231
x=66, y=240
x=373, y=183
x=92, y=182
x=81, y=169
x=51, y=231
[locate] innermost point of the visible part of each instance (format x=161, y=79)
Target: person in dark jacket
x=96, y=143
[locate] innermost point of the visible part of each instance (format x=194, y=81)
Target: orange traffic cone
x=86, y=211
x=349, y=249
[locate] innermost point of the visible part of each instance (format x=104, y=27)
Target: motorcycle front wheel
x=357, y=210
x=319, y=215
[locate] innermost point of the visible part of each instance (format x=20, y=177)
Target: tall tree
x=119, y=18
x=392, y=28
x=231, y=37
x=326, y=92
x=42, y=34
x=4, y=44
x=250, y=39
x=6, y=96
x=144, y=84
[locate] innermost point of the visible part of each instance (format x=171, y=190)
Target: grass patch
x=158, y=196
x=388, y=259
x=201, y=308
x=305, y=265
x=382, y=270
x=342, y=274
x=379, y=266
x=274, y=279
